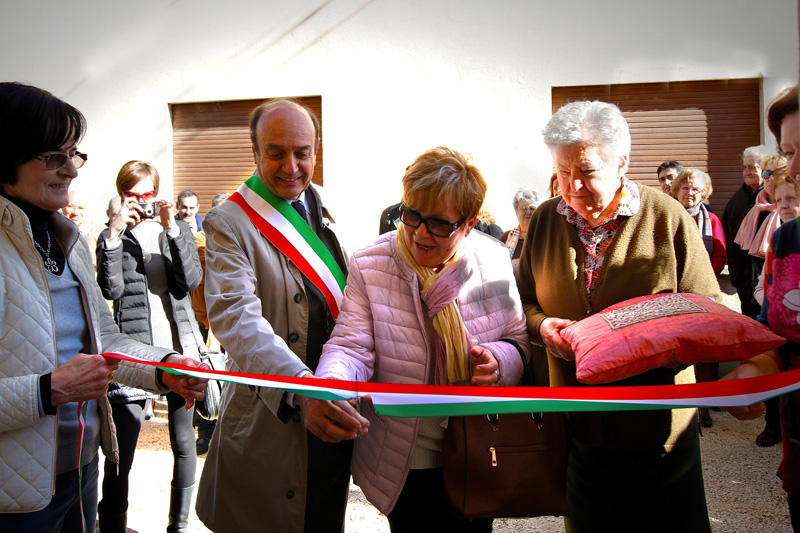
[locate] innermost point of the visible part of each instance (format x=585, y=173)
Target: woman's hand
x=485, y=370
x=166, y=213
x=550, y=331
x=130, y=214
x=84, y=377
x=192, y=389
x=760, y=365
x=332, y=421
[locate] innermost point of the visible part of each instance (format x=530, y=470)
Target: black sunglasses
x=435, y=226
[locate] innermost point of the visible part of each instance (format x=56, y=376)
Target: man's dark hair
x=785, y=103
x=669, y=164
x=33, y=121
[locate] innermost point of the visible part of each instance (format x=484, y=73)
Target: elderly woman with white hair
x=606, y=240
x=525, y=202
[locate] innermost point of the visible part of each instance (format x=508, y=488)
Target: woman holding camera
x=147, y=263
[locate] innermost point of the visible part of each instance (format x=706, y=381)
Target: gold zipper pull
x=494, y=456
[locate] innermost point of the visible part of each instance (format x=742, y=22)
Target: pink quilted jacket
x=380, y=336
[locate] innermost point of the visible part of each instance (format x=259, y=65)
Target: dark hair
x=271, y=105
x=186, y=194
x=669, y=164
x=33, y=121
x=785, y=103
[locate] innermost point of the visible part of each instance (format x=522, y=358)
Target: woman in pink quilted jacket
x=432, y=303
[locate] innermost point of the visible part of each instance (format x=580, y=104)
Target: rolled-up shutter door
x=211, y=146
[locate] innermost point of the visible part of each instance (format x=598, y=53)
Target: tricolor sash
x=288, y=232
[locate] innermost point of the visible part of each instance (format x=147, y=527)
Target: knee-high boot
x=180, y=502
x=113, y=524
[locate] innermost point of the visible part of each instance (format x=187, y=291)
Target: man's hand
x=332, y=421
x=485, y=370
x=192, y=389
x=84, y=377
x=550, y=330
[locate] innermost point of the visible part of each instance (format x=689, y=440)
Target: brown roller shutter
x=703, y=124
x=211, y=146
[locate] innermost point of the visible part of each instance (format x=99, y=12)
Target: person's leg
x=84, y=512
x=704, y=373
x=328, y=485
x=184, y=468
x=205, y=430
x=67, y=507
x=422, y=506
x=772, y=428
x=112, y=509
x=794, y=512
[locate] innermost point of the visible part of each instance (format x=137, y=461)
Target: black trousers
x=328, y=485
x=128, y=417
x=422, y=506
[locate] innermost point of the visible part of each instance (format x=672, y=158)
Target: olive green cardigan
x=657, y=250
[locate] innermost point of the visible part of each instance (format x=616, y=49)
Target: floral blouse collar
x=629, y=204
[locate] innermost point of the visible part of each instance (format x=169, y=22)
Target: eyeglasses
x=435, y=226
x=692, y=190
x=58, y=160
x=144, y=197
x=528, y=209
x=767, y=174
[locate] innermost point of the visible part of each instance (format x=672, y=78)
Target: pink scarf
x=438, y=296
x=764, y=234
x=746, y=237
x=439, y=291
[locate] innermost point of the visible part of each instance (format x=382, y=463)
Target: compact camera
x=149, y=209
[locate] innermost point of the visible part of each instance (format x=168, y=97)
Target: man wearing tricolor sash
x=275, y=275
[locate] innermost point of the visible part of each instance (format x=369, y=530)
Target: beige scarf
x=439, y=291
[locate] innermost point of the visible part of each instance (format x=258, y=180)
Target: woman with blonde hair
x=431, y=303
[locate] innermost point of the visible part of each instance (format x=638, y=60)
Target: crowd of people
x=431, y=302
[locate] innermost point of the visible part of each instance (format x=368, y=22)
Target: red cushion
x=643, y=333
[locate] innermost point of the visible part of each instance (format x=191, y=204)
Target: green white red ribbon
x=392, y=399
x=288, y=232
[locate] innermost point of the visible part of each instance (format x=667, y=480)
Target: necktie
x=301, y=209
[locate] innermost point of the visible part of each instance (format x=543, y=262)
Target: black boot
x=180, y=501
x=113, y=524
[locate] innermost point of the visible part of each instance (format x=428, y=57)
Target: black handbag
x=209, y=407
x=507, y=465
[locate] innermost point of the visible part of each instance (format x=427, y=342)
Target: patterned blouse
x=596, y=240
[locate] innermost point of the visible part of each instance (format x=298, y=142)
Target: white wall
x=396, y=77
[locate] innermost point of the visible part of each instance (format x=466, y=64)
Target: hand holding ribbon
x=191, y=388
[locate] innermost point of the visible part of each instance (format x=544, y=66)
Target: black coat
x=122, y=279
